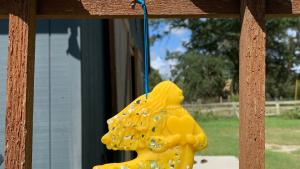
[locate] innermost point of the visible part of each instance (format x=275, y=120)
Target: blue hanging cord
x=146, y=44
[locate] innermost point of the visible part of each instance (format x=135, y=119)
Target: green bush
x=234, y=98
x=292, y=114
x=200, y=116
x=209, y=116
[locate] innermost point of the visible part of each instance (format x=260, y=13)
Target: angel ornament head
x=158, y=128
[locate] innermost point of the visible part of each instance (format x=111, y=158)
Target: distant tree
x=200, y=76
x=219, y=38
x=283, y=49
x=154, y=78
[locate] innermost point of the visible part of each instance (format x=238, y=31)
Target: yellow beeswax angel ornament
x=158, y=128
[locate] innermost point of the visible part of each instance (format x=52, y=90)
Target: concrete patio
x=216, y=162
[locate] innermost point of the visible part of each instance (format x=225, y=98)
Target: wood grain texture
x=252, y=84
x=20, y=77
x=157, y=8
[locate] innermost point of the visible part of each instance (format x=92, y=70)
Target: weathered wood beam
x=252, y=84
x=20, y=76
x=157, y=8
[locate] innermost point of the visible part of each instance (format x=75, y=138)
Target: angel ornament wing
x=158, y=128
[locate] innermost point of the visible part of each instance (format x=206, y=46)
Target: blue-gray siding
x=3, y=62
x=57, y=100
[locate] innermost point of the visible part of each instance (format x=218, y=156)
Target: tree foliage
x=155, y=78
x=212, y=56
x=200, y=75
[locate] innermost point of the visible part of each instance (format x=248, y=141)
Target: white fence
x=232, y=108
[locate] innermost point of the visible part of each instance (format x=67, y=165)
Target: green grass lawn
x=223, y=139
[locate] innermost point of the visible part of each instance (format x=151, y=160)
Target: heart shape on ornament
x=183, y=125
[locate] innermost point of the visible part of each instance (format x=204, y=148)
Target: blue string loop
x=146, y=44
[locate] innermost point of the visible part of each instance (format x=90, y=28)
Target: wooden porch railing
x=273, y=108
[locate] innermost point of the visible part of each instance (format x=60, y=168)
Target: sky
x=172, y=42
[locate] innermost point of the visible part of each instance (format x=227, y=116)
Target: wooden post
x=277, y=108
x=252, y=84
x=20, y=76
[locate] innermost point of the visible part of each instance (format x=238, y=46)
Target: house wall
x=128, y=48
x=57, y=100
x=128, y=45
x=72, y=89
x=95, y=91
x=3, y=63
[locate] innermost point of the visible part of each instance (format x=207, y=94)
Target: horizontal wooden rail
x=224, y=104
x=273, y=108
x=157, y=8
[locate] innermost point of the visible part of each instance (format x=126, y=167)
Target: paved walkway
x=216, y=162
